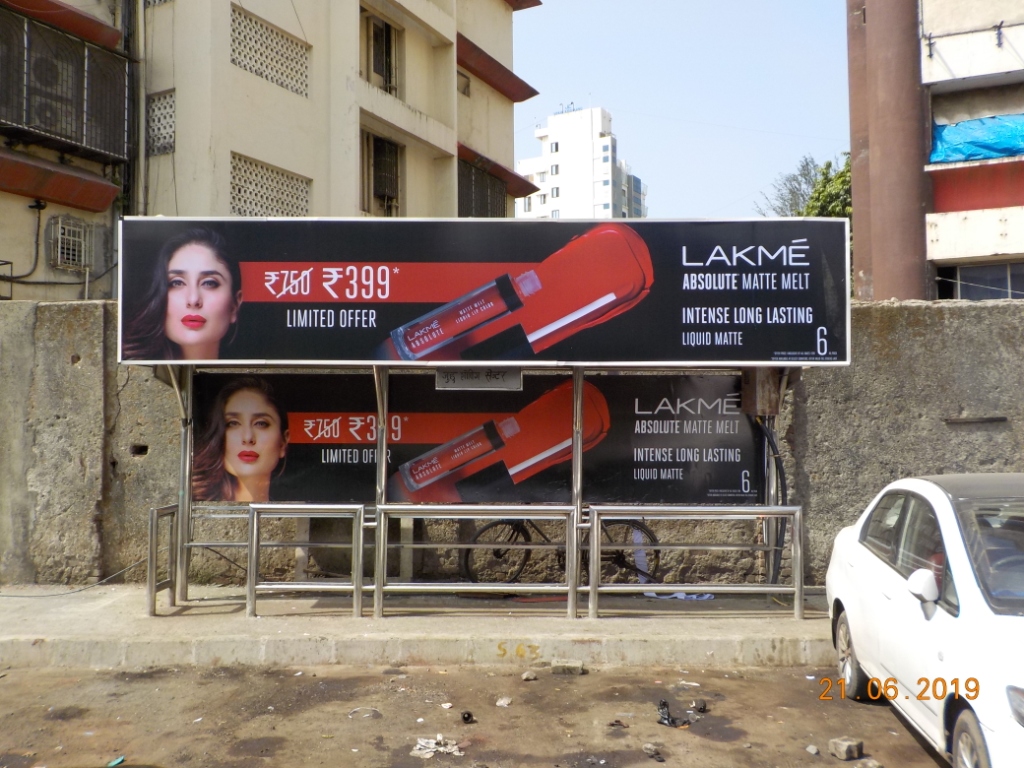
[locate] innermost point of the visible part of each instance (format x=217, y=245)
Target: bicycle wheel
x=501, y=563
x=637, y=565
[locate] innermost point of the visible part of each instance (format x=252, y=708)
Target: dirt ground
x=340, y=716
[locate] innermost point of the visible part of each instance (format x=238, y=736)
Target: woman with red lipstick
x=191, y=304
x=243, y=444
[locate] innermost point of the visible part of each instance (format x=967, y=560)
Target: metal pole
x=154, y=521
x=181, y=555
x=572, y=536
x=595, y=561
x=380, y=380
x=772, y=492
x=797, y=539
x=357, y=562
x=254, y=562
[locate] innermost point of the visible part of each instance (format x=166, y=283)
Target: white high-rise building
x=579, y=173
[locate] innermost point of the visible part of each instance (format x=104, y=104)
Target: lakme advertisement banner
x=312, y=437
x=428, y=293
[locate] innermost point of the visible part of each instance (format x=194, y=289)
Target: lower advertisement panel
x=312, y=437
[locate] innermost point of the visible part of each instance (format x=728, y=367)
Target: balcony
x=60, y=92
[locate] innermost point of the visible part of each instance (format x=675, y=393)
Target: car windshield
x=994, y=533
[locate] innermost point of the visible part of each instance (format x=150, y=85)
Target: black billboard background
x=693, y=462
x=652, y=331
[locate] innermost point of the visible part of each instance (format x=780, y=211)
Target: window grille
x=385, y=168
x=160, y=110
x=70, y=243
x=106, y=128
x=381, y=175
x=55, y=84
x=260, y=190
x=269, y=53
x=59, y=92
x=481, y=194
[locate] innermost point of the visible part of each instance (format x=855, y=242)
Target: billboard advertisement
x=432, y=293
x=312, y=437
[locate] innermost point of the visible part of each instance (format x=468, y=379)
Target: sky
x=711, y=100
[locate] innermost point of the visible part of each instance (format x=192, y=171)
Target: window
x=258, y=189
x=542, y=177
x=920, y=540
x=606, y=206
x=462, y=84
x=604, y=148
x=527, y=204
x=160, y=123
x=481, y=194
x=380, y=159
x=379, y=57
x=605, y=183
x=555, y=191
x=989, y=281
x=879, y=534
x=554, y=170
x=555, y=214
x=604, y=159
x=269, y=53
x=554, y=146
x=542, y=199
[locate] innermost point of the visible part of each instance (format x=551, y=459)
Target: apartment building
x=267, y=108
x=579, y=173
x=937, y=138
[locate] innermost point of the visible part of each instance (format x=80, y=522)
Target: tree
x=831, y=195
x=791, y=191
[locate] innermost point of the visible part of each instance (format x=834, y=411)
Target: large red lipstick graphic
x=593, y=278
x=528, y=442
x=249, y=457
x=195, y=322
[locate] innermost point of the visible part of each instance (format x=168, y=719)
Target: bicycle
x=507, y=559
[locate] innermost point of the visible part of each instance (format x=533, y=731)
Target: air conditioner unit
x=70, y=243
x=56, y=72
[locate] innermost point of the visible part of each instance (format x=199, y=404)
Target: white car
x=926, y=597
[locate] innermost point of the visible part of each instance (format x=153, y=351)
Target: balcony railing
x=58, y=91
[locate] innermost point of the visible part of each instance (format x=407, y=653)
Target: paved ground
x=244, y=717
x=107, y=627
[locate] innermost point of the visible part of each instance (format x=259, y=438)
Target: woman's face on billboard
x=255, y=440
x=201, y=302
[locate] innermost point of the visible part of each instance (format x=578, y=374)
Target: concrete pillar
x=897, y=125
x=856, y=37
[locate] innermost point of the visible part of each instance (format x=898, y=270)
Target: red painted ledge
x=975, y=187
x=517, y=186
x=70, y=19
x=28, y=176
x=475, y=60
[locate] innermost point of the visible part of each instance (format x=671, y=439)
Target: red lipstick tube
x=467, y=313
x=457, y=453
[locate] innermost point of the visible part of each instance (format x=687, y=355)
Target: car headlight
x=1016, y=697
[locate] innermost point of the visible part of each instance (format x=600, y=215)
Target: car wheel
x=969, y=749
x=854, y=679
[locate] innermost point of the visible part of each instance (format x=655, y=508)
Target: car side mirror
x=923, y=586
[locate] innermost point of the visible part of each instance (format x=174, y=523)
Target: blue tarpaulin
x=983, y=139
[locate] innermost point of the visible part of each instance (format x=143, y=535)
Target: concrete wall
x=917, y=365
x=87, y=446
